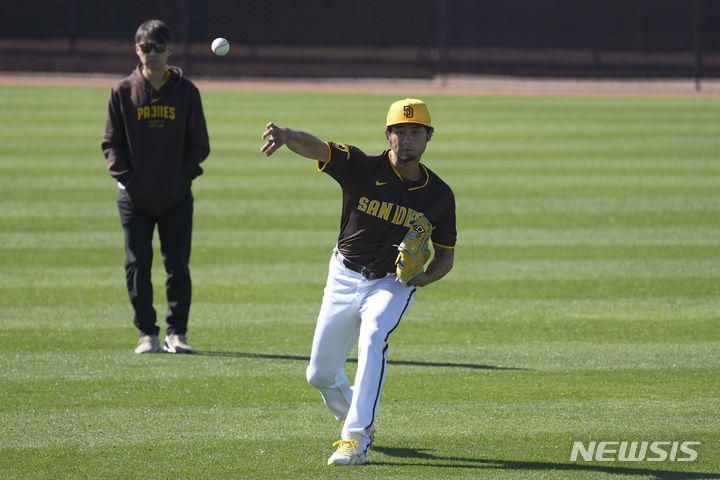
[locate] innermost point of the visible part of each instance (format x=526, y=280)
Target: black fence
x=374, y=38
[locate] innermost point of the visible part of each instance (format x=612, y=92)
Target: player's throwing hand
x=277, y=138
x=299, y=142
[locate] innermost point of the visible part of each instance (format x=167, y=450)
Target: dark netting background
x=413, y=38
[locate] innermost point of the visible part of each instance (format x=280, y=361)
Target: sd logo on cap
x=410, y=110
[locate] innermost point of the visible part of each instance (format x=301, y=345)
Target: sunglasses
x=148, y=47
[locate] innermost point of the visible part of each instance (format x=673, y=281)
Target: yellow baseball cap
x=410, y=110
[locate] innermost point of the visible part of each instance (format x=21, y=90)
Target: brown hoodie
x=155, y=140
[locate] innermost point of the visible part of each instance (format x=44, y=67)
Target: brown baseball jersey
x=379, y=205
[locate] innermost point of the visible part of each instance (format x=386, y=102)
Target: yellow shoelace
x=346, y=446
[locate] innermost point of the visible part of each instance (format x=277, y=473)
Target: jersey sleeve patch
x=337, y=151
x=341, y=147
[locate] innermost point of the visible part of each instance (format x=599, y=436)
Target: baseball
x=220, y=46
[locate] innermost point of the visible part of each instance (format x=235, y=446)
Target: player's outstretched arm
x=298, y=141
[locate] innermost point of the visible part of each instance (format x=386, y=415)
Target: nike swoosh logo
x=155, y=100
x=379, y=183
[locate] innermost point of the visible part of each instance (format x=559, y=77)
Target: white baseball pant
x=355, y=309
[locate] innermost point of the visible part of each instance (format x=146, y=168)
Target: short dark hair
x=427, y=129
x=154, y=30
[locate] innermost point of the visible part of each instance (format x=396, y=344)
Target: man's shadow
x=428, y=459
x=267, y=356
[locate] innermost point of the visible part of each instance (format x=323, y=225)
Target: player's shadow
x=430, y=460
x=268, y=356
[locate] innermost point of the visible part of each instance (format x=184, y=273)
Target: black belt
x=370, y=275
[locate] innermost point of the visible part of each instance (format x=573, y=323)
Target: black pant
x=175, y=232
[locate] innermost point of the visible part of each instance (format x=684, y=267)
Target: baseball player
x=392, y=206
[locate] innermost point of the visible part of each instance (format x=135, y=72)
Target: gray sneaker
x=177, y=344
x=148, y=344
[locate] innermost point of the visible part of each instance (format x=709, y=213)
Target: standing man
x=364, y=299
x=155, y=138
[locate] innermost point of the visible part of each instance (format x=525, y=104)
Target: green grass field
x=583, y=306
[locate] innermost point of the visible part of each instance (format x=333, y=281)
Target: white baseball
x=220, y=46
